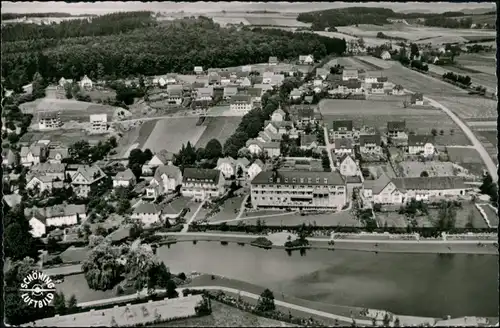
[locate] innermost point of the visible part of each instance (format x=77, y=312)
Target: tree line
x=150, y=50
x=465, y=80
x=7, y=16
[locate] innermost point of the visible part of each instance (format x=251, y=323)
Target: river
x=426, y=285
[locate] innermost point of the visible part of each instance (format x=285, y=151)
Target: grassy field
x=77, y=285
x=490, y=136
x=434, y=168
x=224, y=316
x=377, y=113
x=62, y=137
x=230, y=209
x=489, y=140
x=468, y=158
x=220, y=128
x=491, y=214
x=172, y=133
x=391, y=219
x=349, y=62
x=469, y=108
x=100, y=94
x=344, y=218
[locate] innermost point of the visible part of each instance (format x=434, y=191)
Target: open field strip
x=220, y=128
x=492, y=124
x=470, y=108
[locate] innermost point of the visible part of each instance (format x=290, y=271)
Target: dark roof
x=192, y=174
x=308, y=139
x=382, y=79
x=342, y=124
x=430, y=183
x=304, y=111
x=239, y=98
x=308, y=178
x=254, y=92
x=377, y=85
x=396, y=126
x=419, y=140
x=351, y=84
x=257, y=79
x=343, y=143
x=369, y=139
x=353, y=179
x=417, y=96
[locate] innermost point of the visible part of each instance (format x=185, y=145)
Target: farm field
x=275, y=21
x=172, y=133
x=483, y=75
x=377, y=113
x=230, y=210
x=469, y=108
x=490, y=214
x=489, y=141
x=468, y=158
x=349, y=62
x=220, y=128
x=62, y=137
x=433, y=168
x=70, y=110
x=344, y=218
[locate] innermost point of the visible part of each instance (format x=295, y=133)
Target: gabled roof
x=225, y=74
x=271, y=144
x=35, y=150
x=367, y=139
x=296, y=92
x=259, y=163
x=308, y=139
x=147, y=208
x=350, y=71
x=254, y=92
x=377, y=85
x=417, y=97
x=378, y=184
x=201, y=175
x=253, y=142
x=63, y=151
x=430, y=183
x=164, y=156
x=228, y=160
x=419, y=140
x=279, y=111
x=256, y=80
x=382, y=79
x=342, y=124
x=209, y=91
x=241, y=98
x=242, y=161
x=47, y=168
x=126, y=175
x=396, y=126
x=278, y=124
x=230, y=91
x=170, y=171
x=90, y=173
x=55, y=211
x=343, y=143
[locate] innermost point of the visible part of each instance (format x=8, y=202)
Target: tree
x=434, y=132
x=72, y=304
x=213, y=149
x=102, y=268
x=414, y=50
x=59, y=303
x=266, y=301
x=147, y=155
x=171, y=289
x=397, y=323
x=424, y=174
x=387, y=320
x=18, y=241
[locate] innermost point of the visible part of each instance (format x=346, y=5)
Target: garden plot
x=467, y=211
x=376, y=114
x=344, y=218
x=489, y=141
x=391, y=219
x=468, y=158
x=470, y=108
x=433, y=169
x=220, y=128
x=172, y=133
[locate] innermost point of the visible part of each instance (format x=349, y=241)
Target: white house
x=42, y=182
x=398, y=90
x=99, y=123
x=246, y=68
x=84, y=178
x=63, y=81
x=124, y=179
x=308, y=141
x=165, y=180
x=397, y=130
x=49, y=121
x=382, y=191
x=163, y=157
x=348, y=167
x=245, y=82
x=272, y=148
x=86, y=83
x=306, y=59
x=254, y=169
x=241, y=103
x=227, y=166
x=421, y=145
x=369, y=79
x=377, y=88
x=205, y=93
x=254, y=146
x=417, y=99
x=349, y=74
x=267, y=77
x=295, y=94
x=56, y=155
x=369, y=144
x=147, y=213
x=201, y=184
x=33, y=155
x=385, y=55
x=171, y=78
x=278, y=115
x=432, y=188
x=198, y=70
x=277, y=80
x=343, y=146
x=58, y=216
x=318, y=83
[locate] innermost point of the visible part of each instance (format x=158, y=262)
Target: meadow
x=172, y=133
x=377, y=113
x=470, y=108
x=468, y=158
x=220, y=128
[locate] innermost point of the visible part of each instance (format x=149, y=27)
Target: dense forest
x=132, y=44
x=6, y=16
x=377, y=16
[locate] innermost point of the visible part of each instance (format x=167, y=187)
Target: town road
x=186, y=225
x=329, y=148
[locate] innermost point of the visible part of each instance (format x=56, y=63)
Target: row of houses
x=35, y=154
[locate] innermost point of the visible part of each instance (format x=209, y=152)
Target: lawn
x=489, y=141
x=344, y=218
x=349, y=62
x=100, y=94
x=172, y=133
x=63, y=137
x=490, y=214
x=463, y=215
x=433, y=168
x=77, y=285
x=468, y=158
x=230, y=209
x=470, y=108
x=377, y=113
x=224, y=316
x=391, y=219
x=220, y=128
x=260, y=213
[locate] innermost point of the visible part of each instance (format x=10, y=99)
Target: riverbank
x=386, y=246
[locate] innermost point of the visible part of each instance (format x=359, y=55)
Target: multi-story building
x=377, y=88
x=124, y=179
x=99, y=123
x=397, y=130
x=298, y=189
x=165, y=180
x=349, y=74
x=421, y=145
x=342, y=129
x=55, y=216
x=49, y=121
x=241, y=103
x=348, y=166
x=202, y=183
x=302, y=115
x=369, y=144
x=34, y=154
x=343, y=146
x=84, y=178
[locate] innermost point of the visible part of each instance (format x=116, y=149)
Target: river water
x=427, y=285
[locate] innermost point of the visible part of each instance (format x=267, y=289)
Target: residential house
x=245, y=82
x=397, y=130
x=171, y=78
x=198, y=70
x=277, y=80
x=347, y=87
x=246, y=68
x=382, y=191
x=200, y=106
x=385, y=55
x=166, y=180
x=163, y=157
x=302, y=115
x=99, y=123
x=278, y=115
x=254, y=169
x=308, y=141
x=56, y=216
x=225, y=78
x=442, y=50
x=273, y=60
x=417, y=99
x=299, y=190
x=263, y=87
x=86, y=83
x=62, y=82
x=214, y=78
x=9, y=158
x=295, y=94
x=124, y=179
x=56, y=155
x=205, y=93
x=161, y=81
x=349, y=74
x=342, y=129
x=306, y=60
x=33, y=155
x=269, y=135
x=322, y=73
x=202, y=183
x=254, y=146
x=272, y=149
x=241, y=167
x=344, y=146
x=175, y=94
x=49, y=121
x=318, y=83
x=267, y=77
x=147, y=213
x=369, y=144
x=241, y=103
x=377, y=88
x=227, y=166
x=421, y=145
x=42, y=182
x=432, y=188
x=230, y=92
x=84, y=178
x=348, y=166
x=54, y=170
x=398, y=90
x=369, y=79
x=281, y=128
x=255, y=94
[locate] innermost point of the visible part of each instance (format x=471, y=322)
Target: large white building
x=58, y=216
x=299, y=190
x=241, y=103
x=49, y=121
x=421, y=145
x=99, y=123
x=202, y=183
x=165, y=180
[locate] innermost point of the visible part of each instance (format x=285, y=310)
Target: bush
x=262, y=242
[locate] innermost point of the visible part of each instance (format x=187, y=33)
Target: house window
x=286, y=180
x=301, y=180
x=325, y=180
x=317, y=180
x=294, y=180
x=270, y=179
